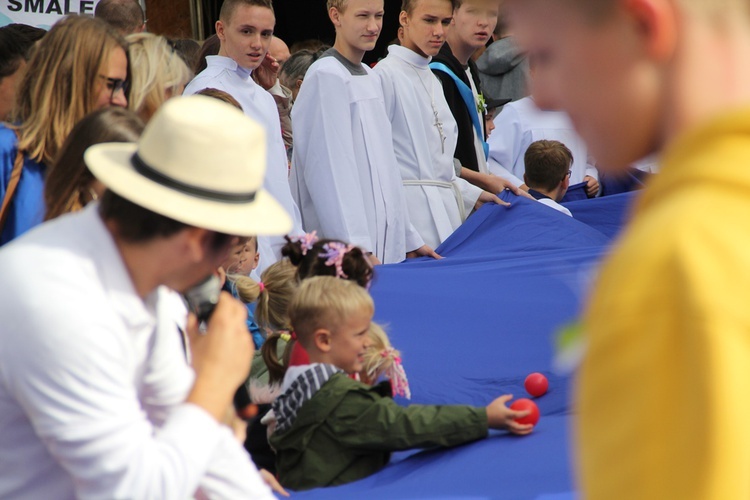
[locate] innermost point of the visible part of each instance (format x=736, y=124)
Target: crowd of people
x=271, y=182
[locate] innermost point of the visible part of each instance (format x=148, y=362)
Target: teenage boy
x=245, y=29
x=345, y=177
x=547, y=173
x=96, y=398
x=424, y=130
x=662, y=400
x=471, y=27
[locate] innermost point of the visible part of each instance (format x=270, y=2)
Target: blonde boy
x=663, y=395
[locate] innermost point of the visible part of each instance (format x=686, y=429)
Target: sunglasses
x=116, y=85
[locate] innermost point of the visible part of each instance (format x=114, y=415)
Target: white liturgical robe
x=519, y=124
x=345, y=178
x=424, y=139
x=223, y=73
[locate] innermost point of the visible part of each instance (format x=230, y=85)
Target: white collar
x=227, y=63
x=409, y=56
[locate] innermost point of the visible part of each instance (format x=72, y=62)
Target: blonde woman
x=158, y=73
x=79, y=66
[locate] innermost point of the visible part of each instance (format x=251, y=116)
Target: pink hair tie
x=334, y=255
x=307, y=241
x=261, y=286
x=396, y=374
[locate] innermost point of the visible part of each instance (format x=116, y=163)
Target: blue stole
x=468, y=96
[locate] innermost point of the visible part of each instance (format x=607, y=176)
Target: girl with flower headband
x=325, y=257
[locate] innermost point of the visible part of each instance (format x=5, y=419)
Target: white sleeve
x=324, y=158
x=506, y=148
x=469, y=192
x=500, y=171
x=77, y=389
x=389, y=92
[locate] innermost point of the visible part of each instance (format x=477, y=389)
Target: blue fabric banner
x=472, y=326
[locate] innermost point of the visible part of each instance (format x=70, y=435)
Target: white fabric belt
x=442, y=184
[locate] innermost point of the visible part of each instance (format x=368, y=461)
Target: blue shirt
x=27, y=208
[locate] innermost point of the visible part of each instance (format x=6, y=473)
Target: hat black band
x=147, y=171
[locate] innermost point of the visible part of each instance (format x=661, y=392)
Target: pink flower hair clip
x=334, y=255
x=307, y=241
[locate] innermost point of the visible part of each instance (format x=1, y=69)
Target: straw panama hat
x=199, y=161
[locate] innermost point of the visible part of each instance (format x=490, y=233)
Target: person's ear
x=656, y=24
x=322, y=340
x=194, y=241
x=220, y=30
x=335, y=16
x=298, y=83
x=403, y=19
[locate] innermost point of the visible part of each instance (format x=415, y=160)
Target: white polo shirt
x=93, y=380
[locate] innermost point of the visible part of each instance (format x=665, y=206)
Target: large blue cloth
x=471, y=327
x=27, y=207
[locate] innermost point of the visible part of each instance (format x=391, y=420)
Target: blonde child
x=382, y=360
x=332, y=429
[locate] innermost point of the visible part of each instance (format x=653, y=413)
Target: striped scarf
x=300, y=391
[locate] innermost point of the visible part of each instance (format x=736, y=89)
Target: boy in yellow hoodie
x=662, y=399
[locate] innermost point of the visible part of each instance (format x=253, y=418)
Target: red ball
x=524, y=404
x=536, y=384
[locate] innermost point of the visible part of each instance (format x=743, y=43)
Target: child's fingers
x=514, y=414
x=520, y=429
x=505, y=398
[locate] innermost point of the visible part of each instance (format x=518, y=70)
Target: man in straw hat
x=96, y=399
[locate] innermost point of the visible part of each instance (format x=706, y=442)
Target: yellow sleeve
x=663, y=395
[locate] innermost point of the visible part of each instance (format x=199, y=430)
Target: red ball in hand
x=524, y=404
x=536, y=384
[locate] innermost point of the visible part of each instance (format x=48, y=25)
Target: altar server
x=245, y=29
x=424, y=130
x=345, y=178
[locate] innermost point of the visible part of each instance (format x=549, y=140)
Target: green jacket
x=348, y=430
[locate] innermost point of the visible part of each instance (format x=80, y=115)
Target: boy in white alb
x=245, y=29
x=424, y=130
x=344, y=177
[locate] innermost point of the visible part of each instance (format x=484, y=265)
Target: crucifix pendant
x=439, y=126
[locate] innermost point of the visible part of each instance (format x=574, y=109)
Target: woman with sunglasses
x=79, y=66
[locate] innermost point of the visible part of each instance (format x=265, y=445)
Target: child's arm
x=383, y=425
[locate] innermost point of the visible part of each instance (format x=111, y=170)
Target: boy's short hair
x=253, y=240
x=325, y=302
x=222, y=96
x=126, y=16
x=547, y=163
x=136, y=224
x=229, y=6
x=408, y=5
x=338, y=4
